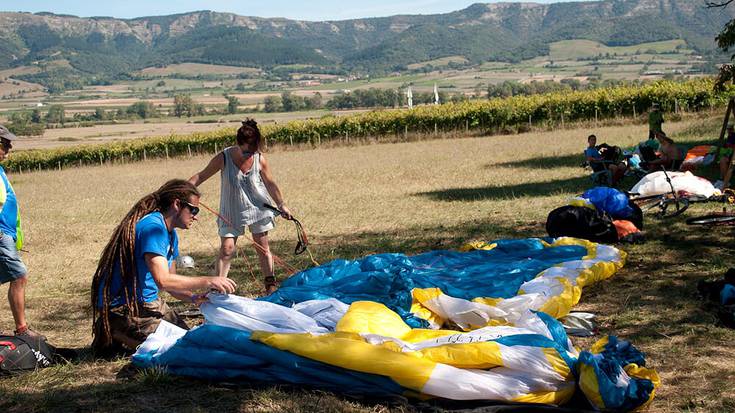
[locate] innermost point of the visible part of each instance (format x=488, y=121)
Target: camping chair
x=601, y=174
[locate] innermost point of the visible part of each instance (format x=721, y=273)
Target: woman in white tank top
x=246, y=185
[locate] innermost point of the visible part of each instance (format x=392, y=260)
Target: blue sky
x=293, y=9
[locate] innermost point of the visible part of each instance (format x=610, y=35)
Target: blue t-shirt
x=9, y=214
x=592, y=153
x=151, y=237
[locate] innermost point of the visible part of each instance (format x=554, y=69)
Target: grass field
x=575, y=49
x=196, y=69
x=359, y=200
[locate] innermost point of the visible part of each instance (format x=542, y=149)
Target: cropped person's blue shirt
x=151, y=237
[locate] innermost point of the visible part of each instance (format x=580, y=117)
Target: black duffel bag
x=18, y=354
x=581, y=222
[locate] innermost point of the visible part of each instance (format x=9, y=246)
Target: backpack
x=18, y=355
x=610, y=153
x=581, y=222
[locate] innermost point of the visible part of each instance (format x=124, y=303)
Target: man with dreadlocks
x=138, y=262
x=246, y=187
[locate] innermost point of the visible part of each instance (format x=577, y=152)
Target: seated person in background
x=603, y=156
x=727, y=152
x=669, y=157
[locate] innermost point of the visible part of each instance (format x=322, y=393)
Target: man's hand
x=222, y=284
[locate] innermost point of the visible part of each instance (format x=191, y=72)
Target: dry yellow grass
x=402, y=197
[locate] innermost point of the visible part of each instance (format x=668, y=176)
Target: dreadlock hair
x=120, y=252
x=249, y=129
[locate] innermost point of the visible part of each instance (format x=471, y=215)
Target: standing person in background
x=655, y=120
x=246, y=186
x=138, y=262
x=12, y=269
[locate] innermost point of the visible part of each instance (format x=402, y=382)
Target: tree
x=142, y=109
x=99, y=114
x=287, y=102
x=36, y=116
x=232, y=104
x=183, y=105
x=725, y=40
x=272, y=104
x=56, y=114
x=20, y=124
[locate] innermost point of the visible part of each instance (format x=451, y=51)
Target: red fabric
x=624, y=228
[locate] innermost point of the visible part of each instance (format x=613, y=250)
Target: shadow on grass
x=152, y=391
x=652, y=302
x=531, y=189
x=543, y=162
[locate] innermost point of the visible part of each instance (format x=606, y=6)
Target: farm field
x=53, y=138
x=569, y=59
x=359, y=200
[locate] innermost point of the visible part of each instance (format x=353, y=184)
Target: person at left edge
x=12, y=269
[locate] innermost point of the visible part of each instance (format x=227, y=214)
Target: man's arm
x=169, y=282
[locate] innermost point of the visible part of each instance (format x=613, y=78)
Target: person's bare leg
x=724, y=165
x=265, y=258
x=17, y=300
x=226, y=253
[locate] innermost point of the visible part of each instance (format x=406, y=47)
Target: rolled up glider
x=474, y=325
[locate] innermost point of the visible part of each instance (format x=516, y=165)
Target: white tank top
x=242, y=194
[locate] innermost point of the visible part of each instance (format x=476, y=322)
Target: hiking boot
x=28, y=334
x=271, y=284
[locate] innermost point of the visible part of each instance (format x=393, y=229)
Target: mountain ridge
x=480, y=32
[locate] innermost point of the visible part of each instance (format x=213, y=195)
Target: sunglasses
x=194, y=209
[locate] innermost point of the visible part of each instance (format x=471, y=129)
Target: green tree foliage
x=142, y=109
x=21, y=124
x=272, y=104
x=184, y=105
x=371, y=98
x=725, y=40
x=56, y=114
x=232, y=104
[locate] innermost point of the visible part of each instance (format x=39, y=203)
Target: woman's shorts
x=11, y=266
x=264, y=225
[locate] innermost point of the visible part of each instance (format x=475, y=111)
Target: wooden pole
x=188, y=148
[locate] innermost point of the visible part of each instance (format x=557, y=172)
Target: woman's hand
x=285, y=212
